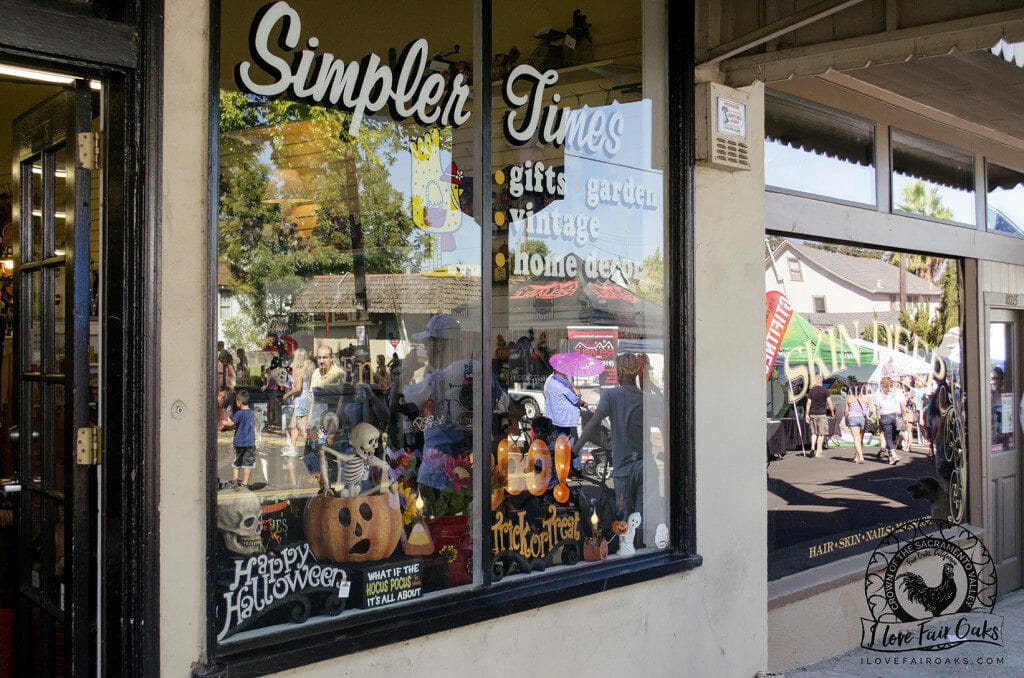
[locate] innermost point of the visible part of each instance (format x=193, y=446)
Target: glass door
x=52, y=396
x=1004, y=462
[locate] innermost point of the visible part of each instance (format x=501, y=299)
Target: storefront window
x=356, y=226
x=1005, y=201
x=932, y=179
x=819, y=151
x=865, y=426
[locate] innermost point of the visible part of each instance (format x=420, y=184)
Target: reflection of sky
x=626, y=231
x=1006, y=209
x=960, y=202
x=797, y=169
x=818, y=174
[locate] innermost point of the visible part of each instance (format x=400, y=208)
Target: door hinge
x=90, y=150
x=88, y=446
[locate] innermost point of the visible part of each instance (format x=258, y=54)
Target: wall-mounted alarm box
x=722, y=127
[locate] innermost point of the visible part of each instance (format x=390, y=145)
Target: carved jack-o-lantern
x=353, y=529
x=620, y=527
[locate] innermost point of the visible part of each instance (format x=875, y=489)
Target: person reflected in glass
x=891, y=405
x=819, y=408
x=563, y=402
x=856, y=413
x=327, y=371
x=623, y=406
x=302, y=392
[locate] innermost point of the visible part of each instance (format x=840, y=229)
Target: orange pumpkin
x=353, y=529
x=620, y=527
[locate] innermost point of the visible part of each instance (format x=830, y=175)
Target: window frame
x=977, y=226
x=796, y=273
x=808, y=104
x=824, y=305
x=305, y=644
x=986, y=161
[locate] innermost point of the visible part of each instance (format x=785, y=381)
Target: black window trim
x=308, y=644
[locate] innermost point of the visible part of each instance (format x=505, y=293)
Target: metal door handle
x=14, y=435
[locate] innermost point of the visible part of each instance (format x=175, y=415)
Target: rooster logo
x=935, y=599
x=930, y=585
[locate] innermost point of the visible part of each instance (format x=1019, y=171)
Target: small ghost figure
x=626, y=547
x=354, y=464
x=661, y=536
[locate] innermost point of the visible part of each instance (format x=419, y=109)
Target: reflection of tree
x=300, y=197
x=535, y=247
x=918, y=198
x=652, y=286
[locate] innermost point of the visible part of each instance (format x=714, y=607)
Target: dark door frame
x=128, y=58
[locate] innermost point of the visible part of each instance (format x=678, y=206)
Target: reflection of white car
x=532, y=400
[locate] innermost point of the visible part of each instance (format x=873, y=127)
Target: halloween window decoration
x=351, y=250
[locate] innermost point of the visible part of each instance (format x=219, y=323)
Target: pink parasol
x=577, y=364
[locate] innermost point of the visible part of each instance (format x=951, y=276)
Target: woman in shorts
x=302, y=392
x=856, y=414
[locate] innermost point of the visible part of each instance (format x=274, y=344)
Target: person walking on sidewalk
x=891, y=406
x=819, y=409
x=857, y=412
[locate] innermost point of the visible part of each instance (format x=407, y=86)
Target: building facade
x=289, y=177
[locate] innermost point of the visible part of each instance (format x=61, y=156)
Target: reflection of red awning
x=610, y=291
x=553, y=290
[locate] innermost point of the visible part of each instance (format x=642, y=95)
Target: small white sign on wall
x=1006, y=422
x=732, y=117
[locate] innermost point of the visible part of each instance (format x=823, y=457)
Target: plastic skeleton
x=354, y=465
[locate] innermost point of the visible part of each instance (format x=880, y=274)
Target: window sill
x=304, y=646
x=795, y=587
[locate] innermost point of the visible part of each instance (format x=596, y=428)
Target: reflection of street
x=827, y=508
x=273, y=471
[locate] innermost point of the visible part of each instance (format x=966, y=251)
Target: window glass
x=932, y=179
x=818, y=150
x=349, y=375
x=579, y=303
x=859, y=400
x=795, y=273
x=1004, y=208
x=352, y=363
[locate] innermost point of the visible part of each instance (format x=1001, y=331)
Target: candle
x=419, y=505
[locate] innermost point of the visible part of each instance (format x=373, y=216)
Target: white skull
x=364, y=438
x=239, y=515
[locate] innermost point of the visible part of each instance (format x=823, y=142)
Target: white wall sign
x=732, y=117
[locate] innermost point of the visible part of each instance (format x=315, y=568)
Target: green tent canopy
x=838, y=350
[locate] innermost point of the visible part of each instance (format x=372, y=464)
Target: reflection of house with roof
x=335, y=307
x=829, y=288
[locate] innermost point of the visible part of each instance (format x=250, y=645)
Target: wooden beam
x=34, y=29
x=787, y=24
x=965, y=35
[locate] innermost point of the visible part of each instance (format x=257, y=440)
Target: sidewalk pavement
x=968, y=659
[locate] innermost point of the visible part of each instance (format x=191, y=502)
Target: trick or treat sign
x=534, y=542
x=264, y=584
x=930, y=585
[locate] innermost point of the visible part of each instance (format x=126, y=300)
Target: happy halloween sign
x=263, y=582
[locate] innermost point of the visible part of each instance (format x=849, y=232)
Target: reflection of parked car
x=532, y=400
